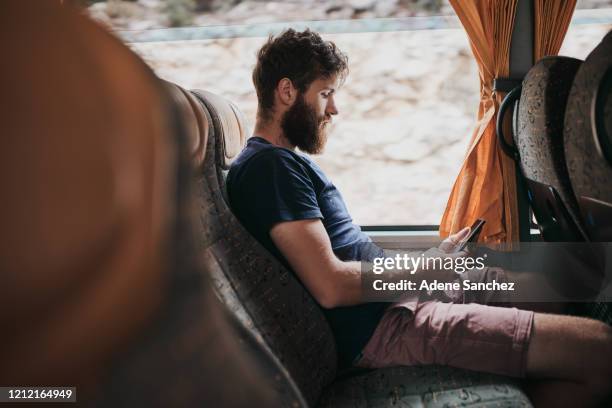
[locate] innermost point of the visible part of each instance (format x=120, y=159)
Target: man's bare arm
x=306, y=246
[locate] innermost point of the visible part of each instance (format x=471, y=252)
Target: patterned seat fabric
x=588, y=148
x=588, y=140
x=431, y=386
x=255, y=286
x=276, y=307
x=539, y=138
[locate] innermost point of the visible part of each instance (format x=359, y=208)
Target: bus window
x=407, y=108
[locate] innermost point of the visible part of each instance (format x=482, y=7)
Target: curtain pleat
x=552, y=19
x=486, y=185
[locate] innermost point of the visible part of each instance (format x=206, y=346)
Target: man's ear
x=286, y=92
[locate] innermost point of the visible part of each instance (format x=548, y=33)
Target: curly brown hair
x=302, y=57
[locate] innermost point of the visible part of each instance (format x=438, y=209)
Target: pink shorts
x=473, y=336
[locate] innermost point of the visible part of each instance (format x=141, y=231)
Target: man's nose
x=331, y=108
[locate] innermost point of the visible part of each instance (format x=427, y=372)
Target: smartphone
x=475, y=229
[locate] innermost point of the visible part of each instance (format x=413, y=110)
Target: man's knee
x=600, y=379
x=567, y=347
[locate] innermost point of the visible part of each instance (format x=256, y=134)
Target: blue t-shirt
x=268, y=184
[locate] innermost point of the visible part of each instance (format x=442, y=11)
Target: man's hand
x=452, y=242
x=441, y=274
x=447, y=249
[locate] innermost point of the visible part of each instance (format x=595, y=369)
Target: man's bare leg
x=570, y=361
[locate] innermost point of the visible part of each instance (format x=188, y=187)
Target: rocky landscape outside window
x=406, y=110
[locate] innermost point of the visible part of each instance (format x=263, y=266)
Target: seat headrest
x=588, y=140
x=229, y=127
x=195, y=121
x=588, y=123
x=87, y=194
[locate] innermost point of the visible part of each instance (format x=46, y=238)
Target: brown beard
x=302, y=127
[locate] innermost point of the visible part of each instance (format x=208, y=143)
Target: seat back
x=194, y=122
x=264, y=294
x=230, y=130
x=85, y=189
x=539, y=139
x=101, y=288
x=194, y=353
x=588, y=140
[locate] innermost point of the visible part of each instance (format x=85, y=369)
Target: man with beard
x=288, y=204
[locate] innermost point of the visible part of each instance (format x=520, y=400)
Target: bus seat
x=272, y=302
x=83, y=218
x=588, y=140
x=424, y=386
x=194, y=121
x=252, y=282
x=575, y=270
x=101, y=289
x=539, y=139
x=588, y=148
x=230, y=124
x=194, y=352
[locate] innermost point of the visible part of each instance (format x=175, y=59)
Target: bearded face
x=304, y=128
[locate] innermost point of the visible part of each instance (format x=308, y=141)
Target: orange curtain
x=486, y=185
x=552, y=19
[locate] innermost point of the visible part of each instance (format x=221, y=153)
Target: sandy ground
x=406, y=110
